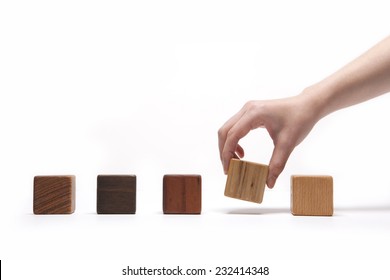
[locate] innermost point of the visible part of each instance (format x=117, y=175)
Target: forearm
x=364, y=78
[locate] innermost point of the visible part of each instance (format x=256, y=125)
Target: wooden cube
x=182, y=194
x=54, y=194
x=312, y=195
x=116, y=194
x=246, y=180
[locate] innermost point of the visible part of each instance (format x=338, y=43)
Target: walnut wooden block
x=312, y=195
x=246, y=180
x=116, y=194
x=182, y=194
x=54, y=194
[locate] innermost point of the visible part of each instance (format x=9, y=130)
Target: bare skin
x=289, y=120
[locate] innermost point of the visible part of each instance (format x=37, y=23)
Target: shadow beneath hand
x=257, y=211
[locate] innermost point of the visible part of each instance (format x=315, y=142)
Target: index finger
x=237, y=131
x=224, y=130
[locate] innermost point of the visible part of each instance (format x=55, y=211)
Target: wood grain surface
x=246, y=180
x=312, y=195
x=54, y=194
x=116, y=194
x=182, y=194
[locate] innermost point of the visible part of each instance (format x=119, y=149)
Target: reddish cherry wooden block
x=182, y=194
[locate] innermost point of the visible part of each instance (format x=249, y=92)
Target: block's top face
x=312, y=195
x=246, y=180
x=116, y=177
x=54, y=194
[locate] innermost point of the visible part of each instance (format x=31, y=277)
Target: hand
x=288, y=121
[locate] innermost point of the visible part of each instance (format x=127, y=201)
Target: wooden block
x=182, y=194
x=246, y=180
x=116, y=194
x=312, y=195
x=54, y=194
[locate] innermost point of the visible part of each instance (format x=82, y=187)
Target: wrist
x=316, y=98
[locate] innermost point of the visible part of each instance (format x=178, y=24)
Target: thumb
x=277, y=163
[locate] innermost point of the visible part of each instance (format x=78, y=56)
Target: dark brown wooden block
x=54, y=194
x=182, y=194
x=116, y=194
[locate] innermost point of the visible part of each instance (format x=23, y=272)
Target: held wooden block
x=182, y=194
x=312, y=195
x=54, y=194
x=116, y=194
x=246, y=180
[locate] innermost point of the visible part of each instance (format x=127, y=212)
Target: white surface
x=107, y=87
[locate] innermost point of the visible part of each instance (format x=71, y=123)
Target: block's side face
x=173, y=195
x=312, y=195
x=73, y=194
x=193, y=194
x=233, y=186
x=246, y=180
x=116, y=194
x=327, y=194
x=329, y=210
x=298, y=198
x=293, y=197
x=54, y=194
x=254, y=180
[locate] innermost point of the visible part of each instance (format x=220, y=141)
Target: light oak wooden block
x=54, y=194
x=312, y=195
x=246, y=180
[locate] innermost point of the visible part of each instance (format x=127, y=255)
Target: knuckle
x=250, y=105
x=221, y=132
x=257, y=109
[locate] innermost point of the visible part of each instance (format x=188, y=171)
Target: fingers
x=223, y=134
x=285, y=131
x=277, y=163
x=224, y=130
x=236, y=132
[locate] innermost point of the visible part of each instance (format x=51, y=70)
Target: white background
x=141, y=87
